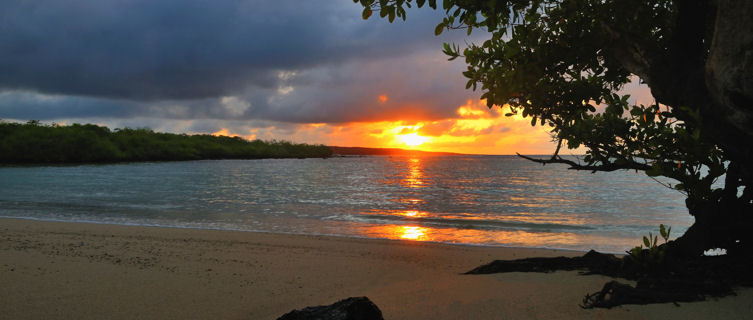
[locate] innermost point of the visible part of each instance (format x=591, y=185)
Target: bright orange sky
x=474, y=130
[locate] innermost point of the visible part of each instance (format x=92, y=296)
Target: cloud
x=492, y=133
x=308, y=71
x=420, y=86
x=235, y=106
x=187, y=49
x=284, y=61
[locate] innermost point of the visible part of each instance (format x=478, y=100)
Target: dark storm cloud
x=418, y=87
x=421, y=86
x=190, y=60
x=27, y=105
x=185, y=49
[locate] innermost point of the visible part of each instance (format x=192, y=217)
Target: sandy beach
x=55, y=270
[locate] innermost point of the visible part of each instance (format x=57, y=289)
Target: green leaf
x=438, y=30
x=383, y=13
x=366, y=13
x=646, y=242
x=663, y=231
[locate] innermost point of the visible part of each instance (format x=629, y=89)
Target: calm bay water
x=482, y=200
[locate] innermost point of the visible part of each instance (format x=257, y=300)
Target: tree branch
x=607, y=167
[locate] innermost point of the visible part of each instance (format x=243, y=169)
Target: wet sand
x=55, y=270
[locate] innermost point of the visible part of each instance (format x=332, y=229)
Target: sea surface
x=474, y=200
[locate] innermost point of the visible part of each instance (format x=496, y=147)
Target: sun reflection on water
x=412, y=233
x=412, y=213
x=414, y=216
x=415, y=175
x=399, y=213
x=397, y=232
x=513, y=238
x=410, y=201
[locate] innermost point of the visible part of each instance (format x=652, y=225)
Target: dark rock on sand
x=594, y=261
x=354, y=308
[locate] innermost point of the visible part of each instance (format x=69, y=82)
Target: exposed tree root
x=673, y=280
x=649, y=291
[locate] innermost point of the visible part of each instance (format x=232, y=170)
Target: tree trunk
x=729, y=78
x=725, y=224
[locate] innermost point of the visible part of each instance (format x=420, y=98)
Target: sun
x=412, y=140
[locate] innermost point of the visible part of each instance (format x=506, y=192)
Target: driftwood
x=672, y=280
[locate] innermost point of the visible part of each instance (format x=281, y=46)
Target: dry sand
x=53, y=270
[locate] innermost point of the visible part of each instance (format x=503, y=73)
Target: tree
x=562, y=62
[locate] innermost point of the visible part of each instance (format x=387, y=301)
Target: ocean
x=458, y=199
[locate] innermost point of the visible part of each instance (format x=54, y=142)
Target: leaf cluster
x=652, y=256
x=561, y=63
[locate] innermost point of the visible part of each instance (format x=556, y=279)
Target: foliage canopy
x=563, y=63
x=33, y=142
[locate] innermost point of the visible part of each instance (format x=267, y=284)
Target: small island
x=36, y=143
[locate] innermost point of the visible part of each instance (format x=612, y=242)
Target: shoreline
x=87, y=271
x=337, y=236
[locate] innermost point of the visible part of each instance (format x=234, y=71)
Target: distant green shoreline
x=36, y=143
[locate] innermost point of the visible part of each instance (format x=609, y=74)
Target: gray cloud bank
x=289, y=61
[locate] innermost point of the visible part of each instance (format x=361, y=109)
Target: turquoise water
x=480, y=200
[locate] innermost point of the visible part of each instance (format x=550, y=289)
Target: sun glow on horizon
x=474, y=129
x=225, y=132
x=413, y=139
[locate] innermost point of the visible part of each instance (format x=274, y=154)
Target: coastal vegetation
x=34, y=142
x=564, y=64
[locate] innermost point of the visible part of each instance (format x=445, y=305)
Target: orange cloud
x=226, y=132
x=475, y=130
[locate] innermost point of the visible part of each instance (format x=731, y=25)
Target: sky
x=303, y=71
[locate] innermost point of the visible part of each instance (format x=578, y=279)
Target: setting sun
x=413, y=139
